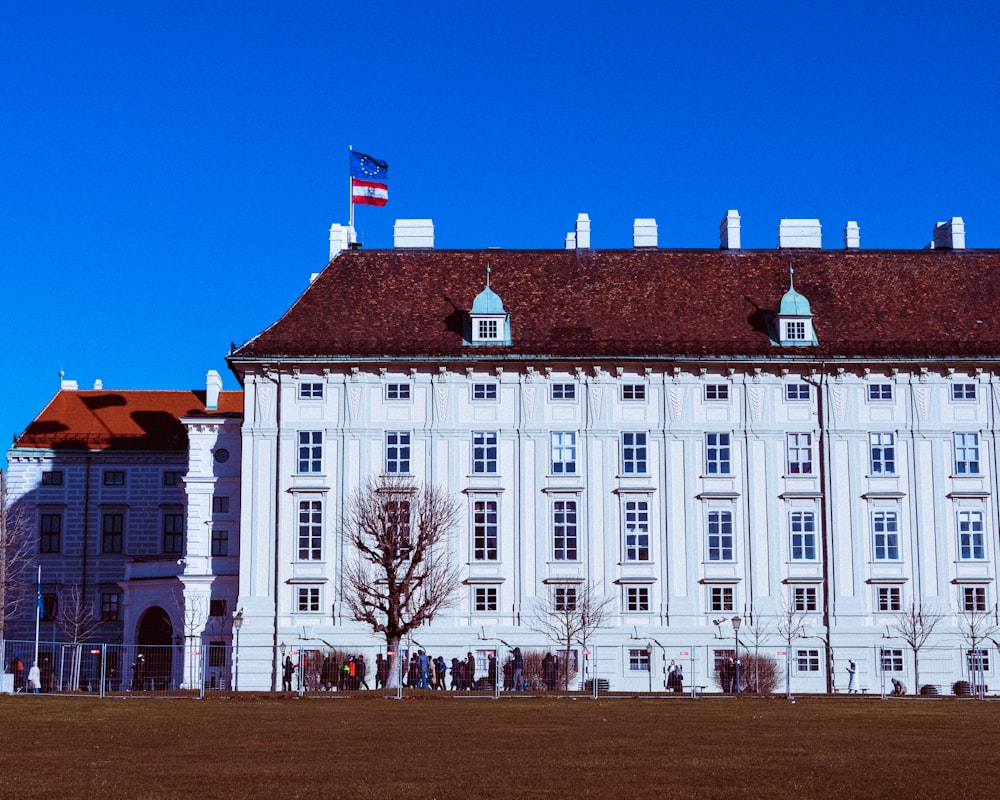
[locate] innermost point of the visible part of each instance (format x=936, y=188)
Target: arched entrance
x=154, y=659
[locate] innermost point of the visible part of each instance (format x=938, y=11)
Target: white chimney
x=98, y=385
x=571, y=241
x=582, y=238
x=729, y=231
x=213, y=385
x=340, y=239
x=645, y=233
x=852, y=235
x=413, y=233
x=950, y=235
x=66, y=384
x=800, y=233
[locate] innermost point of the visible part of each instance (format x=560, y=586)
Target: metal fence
x=495, y=669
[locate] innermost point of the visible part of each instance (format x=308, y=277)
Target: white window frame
x=890, y=659
x=718, y=453
x=485, y=599
x=309, y=452
x=795, y=330
x=564, y=598
x=633, y=392
x=565, y=529
x=311, y=390
x=805, y=599
x=886, y=542
x=882, y=450
x=562, y=392
x=888, y=599
x=635, y=453
x=798, y=392
x=716, y=392
x=971, y=535
x=639, y=659
x=309, y=529
x=720, y=537
x=802, y=530
x=308, y=599
x=487, y=330
x=963, y=392
x=563, y=453
x=721, y=599
x=637, y=599
x=966, y=453
x=635, y=533
x=880, y=392
x=398, y=391
x=484, y=392
x=807, y=660
x=485, y=452
x=973, y=598
x=485, y=529
x=398, y=452
x=799, y=450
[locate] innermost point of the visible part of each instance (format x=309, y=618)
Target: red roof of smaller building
x=122, y=420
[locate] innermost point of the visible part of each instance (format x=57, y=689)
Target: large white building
x=700, y=434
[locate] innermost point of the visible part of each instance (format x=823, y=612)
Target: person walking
x=519, y=684
x=286, y=674
x=851, y=670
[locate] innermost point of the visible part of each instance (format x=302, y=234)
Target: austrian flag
x=369, y=180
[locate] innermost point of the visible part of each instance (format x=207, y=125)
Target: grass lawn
x=272, y=747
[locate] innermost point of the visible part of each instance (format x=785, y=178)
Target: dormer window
x=488, y=321
x=793, y=319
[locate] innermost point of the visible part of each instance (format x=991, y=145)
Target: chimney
x=98, y=385
x=213, y=385
x=800, y=233
x=582, y=232
x=950, y=235
x=645, y=233
x=411, y=233
x=571, y=241
x=729, y=231
x=340, y=239
x=852, y=235
x=66, y=384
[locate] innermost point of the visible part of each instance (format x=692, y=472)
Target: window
x=173, y=533
x=638, y=660
x=720, y=598
x=563, y=391
x=397, y=524
x=807, y=660
x=397, y=452
x=49, y=533
x=220, y=505
x=800, y=454
x=879, y=391
x=966, y=453
x=220, y=542
x=804, y=598
x=109, y=606
x=217, y=654
x=310, y=391
x=114, y=477
x=484, y=452
x=963, y=391
x=637, y=598
x=310, y=530
x=52, y=478
x=112, y=531
x=633, y=391
x=173, y=478
x=50, y=607
x=307, y=599
x=803, y=528
x=634, y=453
x=978, y=660
x=885, y=526
x=310, y=452
x=888, y=598
x=637, y=530
x=797, y=391
x=484, y=598
x=488, y=329
x=564, y=598
x=971, y=542
x=717, y=391
x=217, y=607
x=720, y=535
x=484, y=530
x=973, y=598
x=883, y=452
x=891, y=659
x=563, y=453
x=795, y=331
x=718, y=455
x=484, y=391
x=564, y=530
x=397, y=391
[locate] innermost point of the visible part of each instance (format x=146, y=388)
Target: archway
x=155, y=652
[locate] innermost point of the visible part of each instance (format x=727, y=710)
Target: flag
x=369, y=180
x=40, y=597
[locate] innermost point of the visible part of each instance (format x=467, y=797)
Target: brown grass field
x=261, y=746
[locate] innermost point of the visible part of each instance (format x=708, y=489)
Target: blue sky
x=169, y=171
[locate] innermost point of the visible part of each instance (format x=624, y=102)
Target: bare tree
x=914, y=626
x=791, y=626
x=77, y=619
x=15, y=554
x=764, y=674
x=569, y=614
x=398, y=574
x=977, y=626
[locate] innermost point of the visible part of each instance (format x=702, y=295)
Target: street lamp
x=237, y=624
x=737, y=621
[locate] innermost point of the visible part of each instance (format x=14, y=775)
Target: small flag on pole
x=40, y=596
x=369, y=180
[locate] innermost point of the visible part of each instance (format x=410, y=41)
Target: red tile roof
x=636, y=303
x=127, y=420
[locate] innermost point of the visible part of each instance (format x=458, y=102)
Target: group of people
x=675, y=677
x=29, y=680
x=427, y=672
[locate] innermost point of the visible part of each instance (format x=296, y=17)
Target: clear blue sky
x=169, y=170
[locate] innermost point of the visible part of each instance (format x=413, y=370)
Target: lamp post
x=237, y=624
x=649, y=664
x=737, y=621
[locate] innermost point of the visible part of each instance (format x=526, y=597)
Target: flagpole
x=39, y=605
x=350, y=198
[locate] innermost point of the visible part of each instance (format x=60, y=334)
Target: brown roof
x=129, y=420
x=636, y=303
